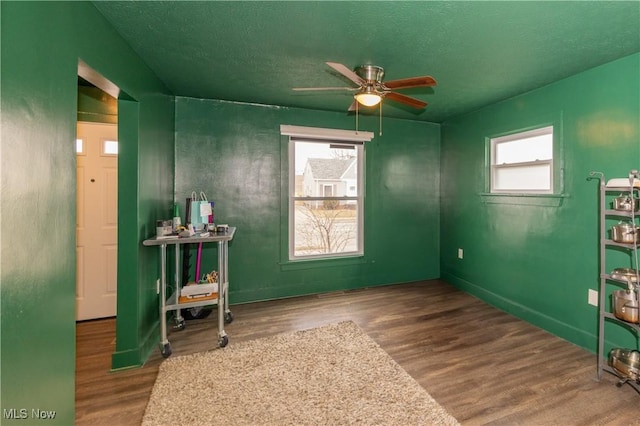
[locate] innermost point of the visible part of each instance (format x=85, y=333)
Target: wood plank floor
x=483, y=365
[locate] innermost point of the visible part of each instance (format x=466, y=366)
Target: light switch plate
x=593, y=297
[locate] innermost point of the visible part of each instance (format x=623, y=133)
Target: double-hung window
x=523, y=162
x=325, y=192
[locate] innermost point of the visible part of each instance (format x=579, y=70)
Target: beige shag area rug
x=332, y=375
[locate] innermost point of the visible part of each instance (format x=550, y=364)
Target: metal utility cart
x=611, y=277
x=171, y=303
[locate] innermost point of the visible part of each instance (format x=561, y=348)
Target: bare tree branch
x=324, y=230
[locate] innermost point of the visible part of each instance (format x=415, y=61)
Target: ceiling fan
x=371, y=89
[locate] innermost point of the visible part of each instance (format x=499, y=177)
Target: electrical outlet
x=593, y=297
x=460, y=253
x=158, y=286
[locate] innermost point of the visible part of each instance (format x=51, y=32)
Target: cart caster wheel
x=166, y=350
x=228, y=317
x=180, y=325
x=223, y=341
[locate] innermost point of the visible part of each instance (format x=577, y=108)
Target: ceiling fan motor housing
x=370, y=73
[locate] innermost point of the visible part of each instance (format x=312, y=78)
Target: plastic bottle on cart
x=176, y=217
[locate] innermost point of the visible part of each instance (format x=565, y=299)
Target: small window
x=523, y=162
x=110, y=147
x=79, y=146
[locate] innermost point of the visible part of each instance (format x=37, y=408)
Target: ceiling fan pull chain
x=356, y=117
x=381, y=118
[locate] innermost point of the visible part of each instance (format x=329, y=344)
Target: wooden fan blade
x=407, y=100
x=347, y=73
x=406, y=83
x=299, y=89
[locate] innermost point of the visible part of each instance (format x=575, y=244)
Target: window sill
x=545, y=200
x=297, y=265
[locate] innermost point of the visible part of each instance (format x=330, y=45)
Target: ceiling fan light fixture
x=368, y=98
x=370, y=89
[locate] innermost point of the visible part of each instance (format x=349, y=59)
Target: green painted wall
x=538, y=261
x=234, y=152
x=534, y=261
x=41, y=45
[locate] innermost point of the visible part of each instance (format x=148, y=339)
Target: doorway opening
x=96, y=148
x=98, y=114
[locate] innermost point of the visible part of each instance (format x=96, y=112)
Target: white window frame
x=534, y=163
x=324, y=188
x=326, y=136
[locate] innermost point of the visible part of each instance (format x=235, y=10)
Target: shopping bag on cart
x=200, y=210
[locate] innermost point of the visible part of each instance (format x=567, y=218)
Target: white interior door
x=97, y=220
